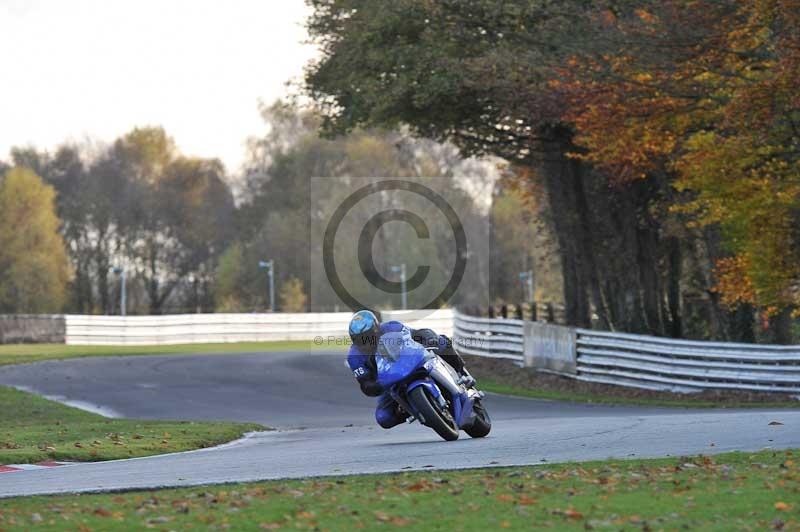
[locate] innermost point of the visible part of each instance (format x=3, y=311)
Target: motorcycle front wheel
x=441, y=422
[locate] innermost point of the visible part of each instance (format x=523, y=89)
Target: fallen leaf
x=102, y=512
x=422, y=485
x=573, y=514
x=527, y=501
x=782, y=506
x=505, y=498
x=269, y=526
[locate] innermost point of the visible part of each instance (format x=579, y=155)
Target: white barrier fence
x=638, y=361
x=495, y=338
x=226, y=328
x=685, y=366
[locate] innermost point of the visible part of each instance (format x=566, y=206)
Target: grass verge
x=34, y=429
x=742, y=491
x=678, y=401
x=25, y=353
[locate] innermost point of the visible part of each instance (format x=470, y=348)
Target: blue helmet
x=363, y=330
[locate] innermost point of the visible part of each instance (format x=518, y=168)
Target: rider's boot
x=401, y=413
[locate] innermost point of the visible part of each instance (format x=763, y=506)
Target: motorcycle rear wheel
x=482, y=424
x=425, y=405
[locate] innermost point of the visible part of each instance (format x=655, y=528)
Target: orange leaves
x=646, y=16
x=733, y=282
x=383, y=517
x=422, y=485
x=619, y=115
x=569, y=513
x=524, y=500
x=715, y=109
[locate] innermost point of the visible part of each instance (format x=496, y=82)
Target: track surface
x=326, y=426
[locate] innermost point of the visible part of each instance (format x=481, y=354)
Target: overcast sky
x=73, y=69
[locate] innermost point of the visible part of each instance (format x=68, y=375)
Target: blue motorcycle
x=429, y=389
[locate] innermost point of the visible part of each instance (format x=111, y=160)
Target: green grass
x=34, y=429
x=677, y=402
x=24, y=353
x=739, y=491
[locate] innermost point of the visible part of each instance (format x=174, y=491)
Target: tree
x=716, y=109
x=515, y=239
x=176, y=214
x=282, y=211
x=293, y=297
x=33, y=261
x=76, y=200
x=479, y=73
x=611, y=112
x=231, y=292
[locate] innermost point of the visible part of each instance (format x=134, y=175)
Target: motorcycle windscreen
x=398, y=357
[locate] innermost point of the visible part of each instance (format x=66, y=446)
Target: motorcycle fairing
x=398, y=357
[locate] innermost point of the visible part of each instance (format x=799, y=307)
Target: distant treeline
x=190, y=237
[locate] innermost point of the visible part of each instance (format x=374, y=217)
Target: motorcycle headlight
x=429, y=364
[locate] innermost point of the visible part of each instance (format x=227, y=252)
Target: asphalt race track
x=326, y=427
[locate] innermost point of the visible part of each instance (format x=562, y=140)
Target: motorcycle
x=429, y=389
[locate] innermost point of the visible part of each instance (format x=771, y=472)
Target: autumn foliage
x=660, y=138
x=706, y=93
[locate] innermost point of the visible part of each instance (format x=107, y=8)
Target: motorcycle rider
x=365, y=328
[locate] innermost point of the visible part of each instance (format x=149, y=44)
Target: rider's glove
x=370, y=387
